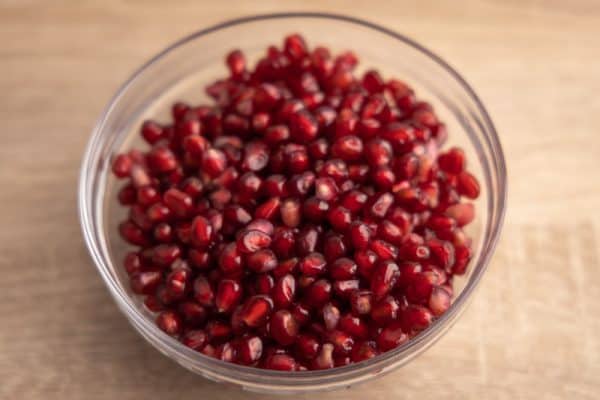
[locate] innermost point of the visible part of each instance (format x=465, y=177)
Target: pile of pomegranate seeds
x=305, y=220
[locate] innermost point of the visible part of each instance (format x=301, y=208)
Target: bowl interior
x=182, y=72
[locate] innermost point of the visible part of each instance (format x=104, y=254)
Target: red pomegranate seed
x=439, y=302
x=290, y=212
x=331, y=316
x=385, y=310
x=467, y=185
x=378, y=152
x=169, y=322
x=203, y=292
x=334, y=247
x=313, y=264
x=343, y=269
x=165, y=255
x=249, y=350
x=342, y=342
x=348, y=148
x=318, y=293
x=391, y=337
x=363, y=351
x=283, y=327
x=236, y=62
x=380, y=205
x=145, y=282
x=230, y=259
x=262, y=261
x=384, y=278
x=340, y=218
x=257, y=310
x=151, y=132
x=193, y=313
x=281, y=362
x=195, y=339
x=462, y=213
x=324, y=359
x=416, y=318
x=228, y=295
x=121, y=166
x=453, y=161
x=360, y=235
x=250, y=241
x=361, y=302
x=283, y=291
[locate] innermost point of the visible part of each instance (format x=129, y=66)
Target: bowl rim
x=285, y=378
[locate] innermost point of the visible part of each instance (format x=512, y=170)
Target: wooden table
x=533, y=330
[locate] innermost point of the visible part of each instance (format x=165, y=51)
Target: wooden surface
x=533, y=330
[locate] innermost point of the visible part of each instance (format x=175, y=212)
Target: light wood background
x=533, y=330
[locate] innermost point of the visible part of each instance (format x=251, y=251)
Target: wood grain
x=533, y=329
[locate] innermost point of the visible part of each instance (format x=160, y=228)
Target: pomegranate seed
x=391, y=337
x=132, y=234
x=161, y=159
x=203, y=292
x=195, y=339
x=348, y=148
x=462, y=213
x=283, y=327
x=385, y=310
x=228, y=294
x=193, y=313
x=290, y=212
x=340, y=218
x=467, y=185
x=360, y=235
x=121, y=166
x=230, y=259
x=250, y=241
x=281, y=362
x=361, y=302
x=318, y=293
x=145, y=282
x=283, y=291
x=257, y=310
x=439, y=302
x=151, y=132
x=363, y=351
x=384, y=278
x=169, y=322
x=331, y=316
x=250, y=350
x=365, y=260
x=236, y=62
x=262, y=261
x=313, y=264
x=304, y=127
x=343, y=269
x=416, y=318
x=324, y=359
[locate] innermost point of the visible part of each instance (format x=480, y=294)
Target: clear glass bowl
x=180, y=73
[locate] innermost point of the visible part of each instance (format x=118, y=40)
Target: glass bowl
x=180, y=73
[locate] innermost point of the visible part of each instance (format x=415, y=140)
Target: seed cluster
x=304, y=220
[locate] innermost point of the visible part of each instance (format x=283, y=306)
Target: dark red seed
x=228, y=295
x=262, y=261
x=361, y=302
x=385, y=310
x=145, y=282
x=152, y=132
x=384, y=278
x=230, y=259
x=257, y=310
x=203, y=292
x=360, y=235
x=169, y=322
x=193, y=313
x=236, y=62
x=281, y=362
x=313, y=264
x=283, y=327
x=250, y=241
x=283, y=291
x=195, y=339
x=340, y=218
x=343, y=269
x=249, y=350
x=121, y=166
x=391, y=337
